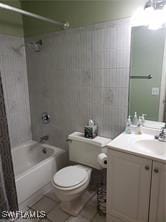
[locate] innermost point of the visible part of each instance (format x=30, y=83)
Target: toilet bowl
x=69, y=184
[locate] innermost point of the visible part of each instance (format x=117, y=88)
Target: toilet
x=72, y=181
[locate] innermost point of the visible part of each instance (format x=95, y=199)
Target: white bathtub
x=34, y=166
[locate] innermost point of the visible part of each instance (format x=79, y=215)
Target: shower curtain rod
x=33, y=15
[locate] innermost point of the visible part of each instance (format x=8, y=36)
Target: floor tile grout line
x=83, y=209
x=30, y=208
x=93, y=217
x=66, y=219
x=55, y=207
x=87, y=204
x=36, y=201
x=57, y=204
x=89, y=200
x=50, y=198
x=46, y=219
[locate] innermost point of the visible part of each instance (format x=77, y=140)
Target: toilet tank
x=85, y=151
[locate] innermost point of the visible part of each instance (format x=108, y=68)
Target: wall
x=11, y=23
x=78, y=13
x=147, y=51
x=14, y=78
x=80, y=74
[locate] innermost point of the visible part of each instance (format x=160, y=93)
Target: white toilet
x=70, y=182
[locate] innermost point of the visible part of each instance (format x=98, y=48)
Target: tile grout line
x=58, y=204
x=35, y=202
x=83, y=209
x=41, y=199
x=31, y=208
x=85, y=206
x=45, y=195
x=93, y=217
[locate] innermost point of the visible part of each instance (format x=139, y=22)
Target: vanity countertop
x=141, y=145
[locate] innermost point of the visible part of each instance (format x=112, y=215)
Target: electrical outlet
x=155, y=91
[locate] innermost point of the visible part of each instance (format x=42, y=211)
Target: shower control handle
x=45, y=118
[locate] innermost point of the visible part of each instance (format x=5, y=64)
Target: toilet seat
x=70, y=177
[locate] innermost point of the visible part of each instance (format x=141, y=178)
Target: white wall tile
x=80, y=74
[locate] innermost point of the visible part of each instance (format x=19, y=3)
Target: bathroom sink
x=151, y=146
x=144, y=145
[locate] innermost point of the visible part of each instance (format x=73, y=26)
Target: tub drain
x=44, y=150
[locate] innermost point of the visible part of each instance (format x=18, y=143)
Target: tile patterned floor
x=51, y=205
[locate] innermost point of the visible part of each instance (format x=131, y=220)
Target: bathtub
x=34, y=166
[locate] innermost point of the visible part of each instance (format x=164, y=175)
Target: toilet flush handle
x=68, y=140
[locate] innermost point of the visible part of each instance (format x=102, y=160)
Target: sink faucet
x=43, y=138
x=162, y=136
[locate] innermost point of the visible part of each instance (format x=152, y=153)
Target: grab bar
x=141, y=77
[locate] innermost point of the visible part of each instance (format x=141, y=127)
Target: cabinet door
x=128, y=187
x=158, y=193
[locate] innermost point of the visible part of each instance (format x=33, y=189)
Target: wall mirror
x=147, y=89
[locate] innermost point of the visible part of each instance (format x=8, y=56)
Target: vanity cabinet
x=158, y=193
x=136, y=189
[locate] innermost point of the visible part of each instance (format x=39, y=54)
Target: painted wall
x=147, y=51
x=78, y=13
x=10, y=22
x=78, y=75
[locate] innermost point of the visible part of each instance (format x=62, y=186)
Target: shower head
x=36, y=46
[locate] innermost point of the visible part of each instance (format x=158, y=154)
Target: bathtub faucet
x=44, y=138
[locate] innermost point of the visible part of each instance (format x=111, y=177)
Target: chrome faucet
x=43, y=138
x=162, y=136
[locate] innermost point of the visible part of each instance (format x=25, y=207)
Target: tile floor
x=51, y=205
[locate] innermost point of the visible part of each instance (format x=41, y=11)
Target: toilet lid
x=70, y=176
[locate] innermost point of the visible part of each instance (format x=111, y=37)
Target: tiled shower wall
x=15, y=85
x=80, y=74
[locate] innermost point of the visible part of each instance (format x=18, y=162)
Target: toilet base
x=74, y=207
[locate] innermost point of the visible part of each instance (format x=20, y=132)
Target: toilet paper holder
x=102, y=160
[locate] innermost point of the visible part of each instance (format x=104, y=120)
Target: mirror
x=147, y=89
